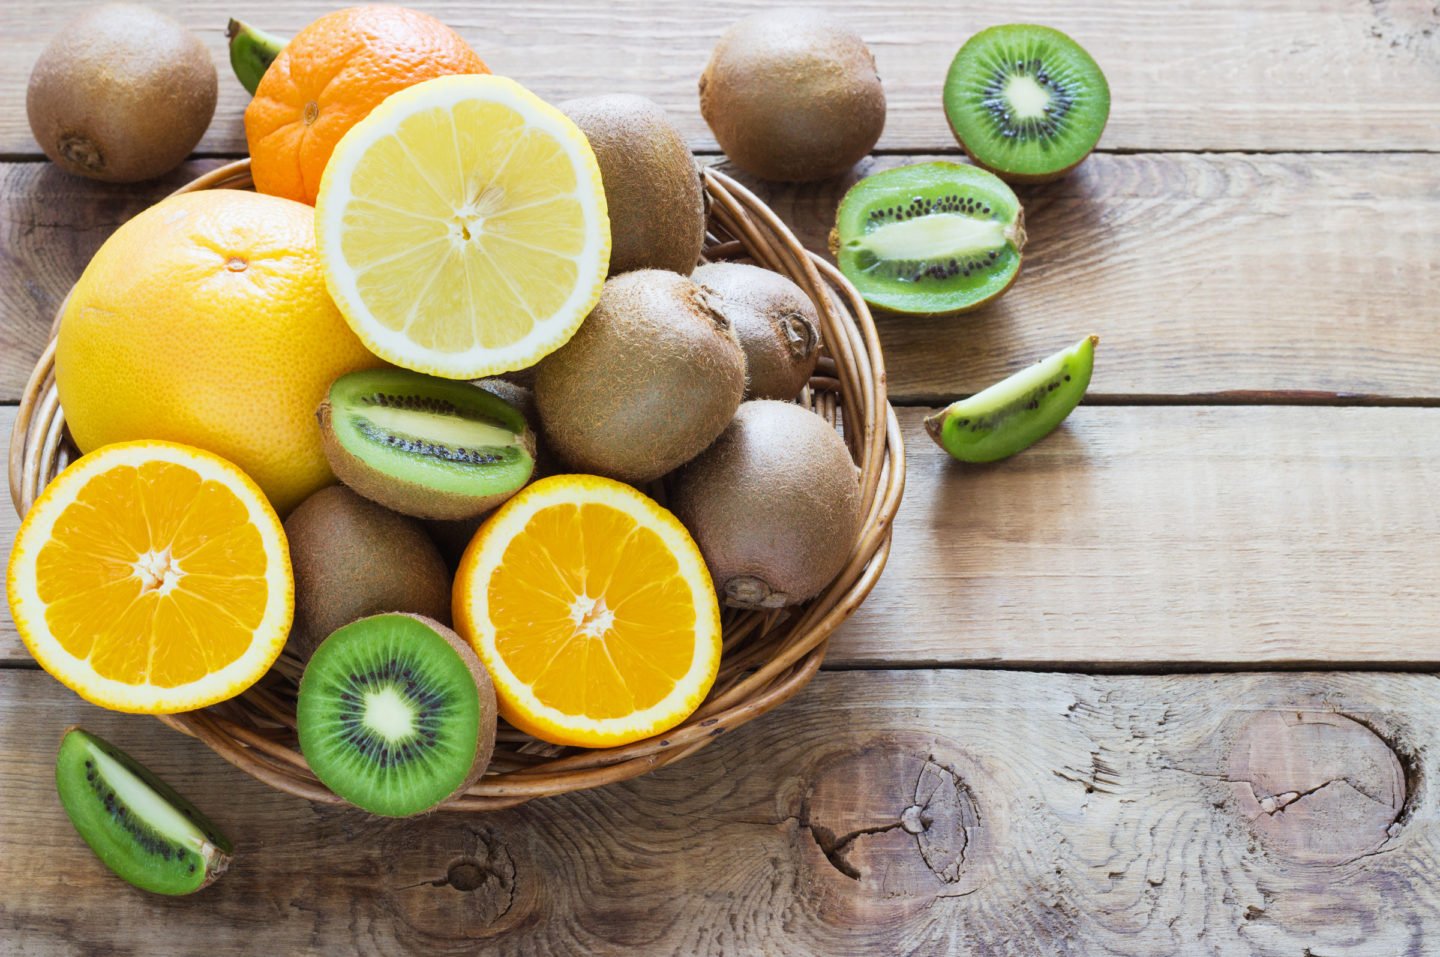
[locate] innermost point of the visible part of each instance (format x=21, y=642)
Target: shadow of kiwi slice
x=1015, y=413
x=1026, y=102
x=140, y=827
x=929, y=239
x=396, y=714
x=427, y=447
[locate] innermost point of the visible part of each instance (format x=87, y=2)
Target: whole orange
x=329, y=77
x=205, y=321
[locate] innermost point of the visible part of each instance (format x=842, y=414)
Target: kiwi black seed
x=121, y=94
x=396, y=714
x=1026, y=102
x=774, y=505
x=650, y=379
x=792, y=95
x=427, y=447
x=930, y=239
x=777, y=324
x=353, y=557
x=135, y=823
x=652, y=188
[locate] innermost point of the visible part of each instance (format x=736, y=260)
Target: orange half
x=592, y=610
x=152, y=577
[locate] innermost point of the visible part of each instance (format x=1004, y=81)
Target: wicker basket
x=768, y=656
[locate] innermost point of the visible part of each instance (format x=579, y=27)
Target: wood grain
x=1223, y=75
x=948, y=812
x=1149, y=537
x=1202, y=274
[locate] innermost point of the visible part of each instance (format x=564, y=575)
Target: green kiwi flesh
x=1026, y=102
x=930, y=239
x=1017, y=412
x=427, y=447
x=135, y=823
x=396, y=714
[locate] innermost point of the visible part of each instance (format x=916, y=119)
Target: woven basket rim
x=768, y=655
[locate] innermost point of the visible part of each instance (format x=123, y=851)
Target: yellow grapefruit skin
x=205, y=320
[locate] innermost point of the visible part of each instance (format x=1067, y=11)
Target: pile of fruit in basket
x=481, y=313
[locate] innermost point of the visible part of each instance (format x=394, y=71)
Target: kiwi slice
x=929, y=239
x=1017, y=412
x=1026, y=102
x=427, y=447
x=396, y=714
x=134, y=822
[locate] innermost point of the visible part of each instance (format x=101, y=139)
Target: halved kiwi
x=137, y=824
x=396, y=714
x=1026, y=102
x=428, y=447
x=929, y=239
x=1015, y=413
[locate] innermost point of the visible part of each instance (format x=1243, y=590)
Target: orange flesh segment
x=154, y=575
x=591, y=611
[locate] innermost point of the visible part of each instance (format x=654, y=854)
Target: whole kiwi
x=353, y=558
x=652, y=376
x=121, y=94
x=792, y=95
x=774, y=505
x=777, y=324
x=652, y=188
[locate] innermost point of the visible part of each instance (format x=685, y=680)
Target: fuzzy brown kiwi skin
x=806, y=107
x=777, y=324
x=833, y=243
x=121, y=94
x=652, y=187
x=407, y=498
x=653, y=375
x=774, y=505
x=353, y=558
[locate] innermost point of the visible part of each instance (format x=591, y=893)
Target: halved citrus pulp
x=152, y=577
x=463, y=227
x=591, y=608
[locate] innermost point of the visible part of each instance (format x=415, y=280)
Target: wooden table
x=1163, y=684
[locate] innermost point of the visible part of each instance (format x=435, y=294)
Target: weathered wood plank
x=1231, y=74
x=1202, y=274
x=1145, y=537
x=950, y=812
x=1141, y=537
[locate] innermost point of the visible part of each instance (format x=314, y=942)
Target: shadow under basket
x=768, y=655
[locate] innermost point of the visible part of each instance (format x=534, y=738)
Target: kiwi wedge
x=1017, y=412
x=396, y=714
x=134, y=822
x=1026, y=102
x=931, y=239
x=427, y=447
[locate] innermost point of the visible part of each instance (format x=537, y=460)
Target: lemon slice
x=462, y=227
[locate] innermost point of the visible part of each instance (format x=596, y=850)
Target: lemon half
x=462, y=227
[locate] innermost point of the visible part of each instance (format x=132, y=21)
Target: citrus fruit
x=152, y=577
x=592, y=610
x=463, y=229
x=329, y=77
x=205, y=320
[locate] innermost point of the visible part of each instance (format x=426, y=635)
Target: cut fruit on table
x=591, y=607
x=152, y=577
x=463, y=227
x=930, y=239
x=134, y=822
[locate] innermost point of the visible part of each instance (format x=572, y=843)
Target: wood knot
x=893, y=819
x=1316, y=787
